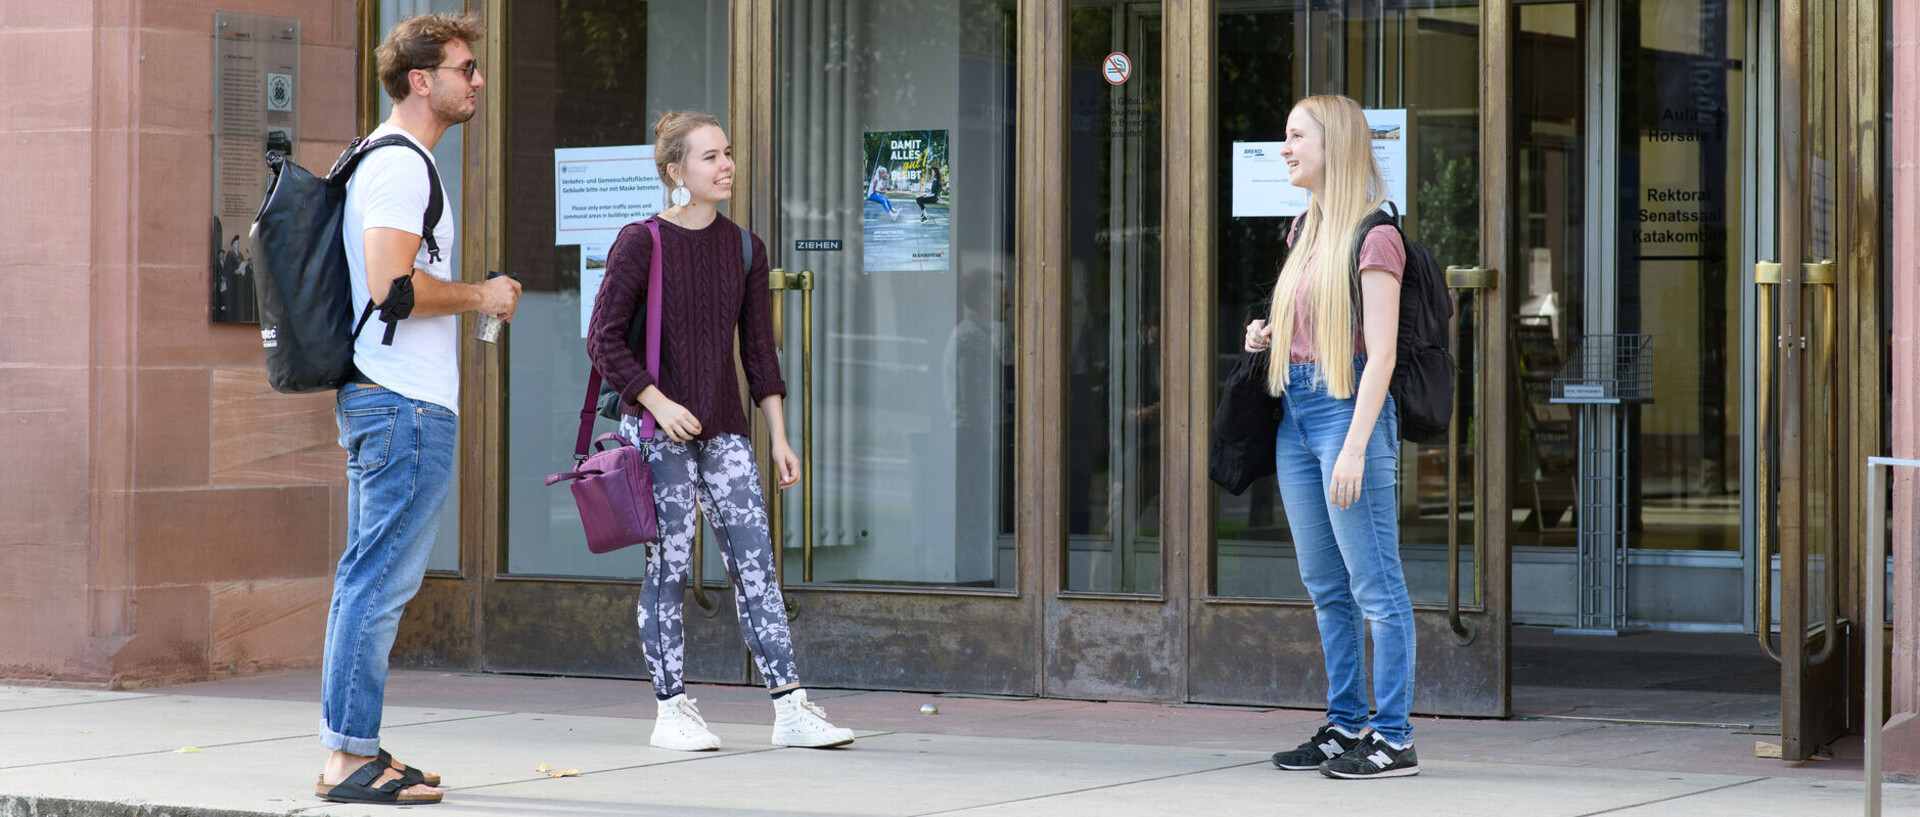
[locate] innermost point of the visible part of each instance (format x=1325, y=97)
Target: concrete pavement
x=246, y=747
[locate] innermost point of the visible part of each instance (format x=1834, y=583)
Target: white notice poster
x=1390, y=151
x=1260, y=186
x=593, y=270
x=597, y=191
x=602, y=189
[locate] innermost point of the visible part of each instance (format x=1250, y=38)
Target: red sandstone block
x=232, y=534
x=170, y=428
x=328, y=96
x=262, y=437
x=176, y=81
x=170, y=637
x=46, y=15
x=175, y=204
x=39, y=330
x=54, y=217
x=269, y=625
x=40, y=89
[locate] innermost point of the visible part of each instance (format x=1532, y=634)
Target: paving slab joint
x=16, y=806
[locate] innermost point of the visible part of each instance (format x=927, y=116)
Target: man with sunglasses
x=397, y=418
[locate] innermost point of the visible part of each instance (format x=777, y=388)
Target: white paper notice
x=597, y=191
x=593, y=270
x=1390, y=151
x=602, y=189
x=1260, y=186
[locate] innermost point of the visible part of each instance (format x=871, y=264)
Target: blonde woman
x=1338, y=449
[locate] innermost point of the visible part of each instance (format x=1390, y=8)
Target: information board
x=256, y=108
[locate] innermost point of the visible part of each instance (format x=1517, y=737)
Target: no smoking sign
x=1116, y=68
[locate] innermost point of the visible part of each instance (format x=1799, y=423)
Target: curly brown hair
x=421, y=42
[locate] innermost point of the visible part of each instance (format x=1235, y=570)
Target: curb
x=16, y=806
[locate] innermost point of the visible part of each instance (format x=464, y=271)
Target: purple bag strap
x=589, y=406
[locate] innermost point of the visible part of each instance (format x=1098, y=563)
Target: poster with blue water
x=906, y=221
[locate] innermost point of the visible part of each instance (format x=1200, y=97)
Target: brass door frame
x=442, y=626
x=1463, y=654
x=1820, y=647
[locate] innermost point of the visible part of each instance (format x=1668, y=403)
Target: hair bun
x=667, y=119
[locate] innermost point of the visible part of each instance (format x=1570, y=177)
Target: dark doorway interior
x=1695, y=678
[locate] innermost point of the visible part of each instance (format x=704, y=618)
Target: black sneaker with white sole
x=1325, y=745
x=1373, y=757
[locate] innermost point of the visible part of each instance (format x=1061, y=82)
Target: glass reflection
x=1113, y=322
x=1402, y=56
x=580, y=73
x=895, y=188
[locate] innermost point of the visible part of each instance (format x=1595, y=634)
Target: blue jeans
x=399, y=469
x=1349, y=559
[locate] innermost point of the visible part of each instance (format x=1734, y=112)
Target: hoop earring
x=681, y=196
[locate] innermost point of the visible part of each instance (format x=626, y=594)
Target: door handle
x=780, y=280
x=1481, y=281
x=1768, y=275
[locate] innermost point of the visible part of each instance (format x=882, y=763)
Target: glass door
x=1820, y=374
x=891, y=222
x=577, y=87
x=1420, y=69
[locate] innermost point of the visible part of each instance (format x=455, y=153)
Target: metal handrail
x=1874, y=576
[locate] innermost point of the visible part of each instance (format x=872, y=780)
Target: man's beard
x=454, y=111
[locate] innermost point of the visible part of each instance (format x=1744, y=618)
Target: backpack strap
x=746, y=251
x=436, y=207
x=1377, y=218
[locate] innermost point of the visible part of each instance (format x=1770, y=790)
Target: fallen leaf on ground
x=566, y=773
x=542, y=768
x=187, y=750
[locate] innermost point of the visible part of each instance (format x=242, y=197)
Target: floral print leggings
x=720, y=475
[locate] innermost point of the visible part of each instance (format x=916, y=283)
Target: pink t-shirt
x=1382, y=251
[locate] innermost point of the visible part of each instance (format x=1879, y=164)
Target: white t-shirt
x=390, y=189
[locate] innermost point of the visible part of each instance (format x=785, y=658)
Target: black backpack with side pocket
x=301, y=285
x=1423, y=370
x=608, y=403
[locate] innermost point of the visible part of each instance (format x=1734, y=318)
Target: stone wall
x=164, y=515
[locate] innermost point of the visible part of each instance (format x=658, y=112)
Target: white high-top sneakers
x=800, y=722
x=679, y=727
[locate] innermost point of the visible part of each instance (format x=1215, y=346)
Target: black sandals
x=363, y=787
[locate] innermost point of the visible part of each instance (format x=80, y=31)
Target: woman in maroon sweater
x=705, y=457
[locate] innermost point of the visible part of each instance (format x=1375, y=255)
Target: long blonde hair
x=1353, y=187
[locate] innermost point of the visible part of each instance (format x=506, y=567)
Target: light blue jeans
x=1349, y=559
x=399, y=469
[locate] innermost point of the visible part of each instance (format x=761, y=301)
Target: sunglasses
x=469, y=68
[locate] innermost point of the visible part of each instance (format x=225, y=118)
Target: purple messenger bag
x=613, y=487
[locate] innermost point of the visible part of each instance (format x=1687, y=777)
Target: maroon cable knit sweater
x=708, y=299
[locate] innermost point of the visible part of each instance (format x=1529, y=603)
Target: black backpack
x=1423, y=370
x=301, y=284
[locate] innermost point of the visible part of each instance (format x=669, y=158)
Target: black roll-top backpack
x=301, y=286
x=1423, y=369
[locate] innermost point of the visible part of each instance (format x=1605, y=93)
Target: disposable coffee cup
x=488, y=328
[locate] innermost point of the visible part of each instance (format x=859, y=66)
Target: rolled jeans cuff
x=364, y=747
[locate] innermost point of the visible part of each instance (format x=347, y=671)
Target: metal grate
x=1606, y=369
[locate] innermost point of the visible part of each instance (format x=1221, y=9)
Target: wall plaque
x=256, y=108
